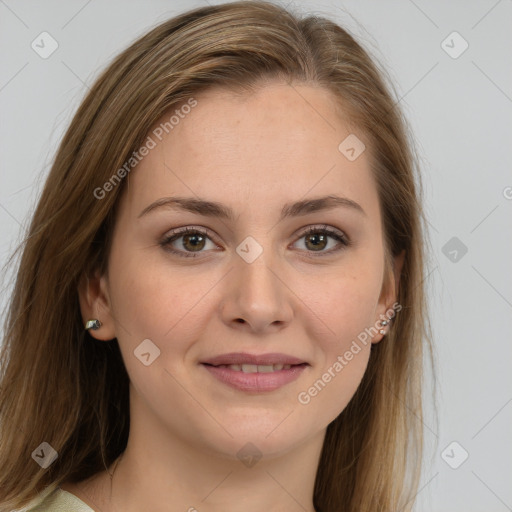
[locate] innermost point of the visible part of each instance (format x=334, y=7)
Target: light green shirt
x=55, y=499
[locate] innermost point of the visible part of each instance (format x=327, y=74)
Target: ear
x=389, y=293
x=95, y=304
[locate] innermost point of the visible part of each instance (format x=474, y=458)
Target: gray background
x=460, y=111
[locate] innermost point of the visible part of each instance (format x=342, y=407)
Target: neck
x=161, y=471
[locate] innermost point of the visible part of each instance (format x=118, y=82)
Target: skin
x=253, y=153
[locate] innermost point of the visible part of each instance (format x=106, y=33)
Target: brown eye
x=316, y=240
x=193, y=241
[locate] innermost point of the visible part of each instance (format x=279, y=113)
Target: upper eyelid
x=179, y=232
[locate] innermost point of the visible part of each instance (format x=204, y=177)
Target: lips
x=263, y=360
x=255, y=368
x=255, y=372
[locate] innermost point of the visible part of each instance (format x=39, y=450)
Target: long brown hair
x=60, y=386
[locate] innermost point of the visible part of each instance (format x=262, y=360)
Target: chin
x=252, y=447
x=271, y=438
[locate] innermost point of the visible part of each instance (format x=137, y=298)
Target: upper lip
x=257, y=359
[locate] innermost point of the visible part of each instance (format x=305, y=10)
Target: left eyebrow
x=215, y=209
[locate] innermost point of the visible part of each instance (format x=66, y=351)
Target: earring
x=93, y=324
x=383, y=323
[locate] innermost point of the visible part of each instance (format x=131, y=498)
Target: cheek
x=343, y=302
x=331, y=388
x=342, y=313
x=152, y=299
x=341, y=356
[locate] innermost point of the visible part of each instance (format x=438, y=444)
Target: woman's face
x=254, y=281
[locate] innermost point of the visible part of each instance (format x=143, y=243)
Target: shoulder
x=55, y=499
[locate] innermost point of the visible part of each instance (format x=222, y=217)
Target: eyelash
x=175, y=235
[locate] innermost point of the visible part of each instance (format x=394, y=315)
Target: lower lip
x=256, y=381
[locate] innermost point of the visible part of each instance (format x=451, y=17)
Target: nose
x=257, y=298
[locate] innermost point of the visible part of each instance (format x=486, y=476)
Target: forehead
x=279, y=143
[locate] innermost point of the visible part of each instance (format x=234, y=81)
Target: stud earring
x=383, y=323
x=93, y=324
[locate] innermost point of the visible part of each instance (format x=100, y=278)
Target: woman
x=220, y=299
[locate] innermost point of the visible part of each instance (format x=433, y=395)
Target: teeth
x=253, y=368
